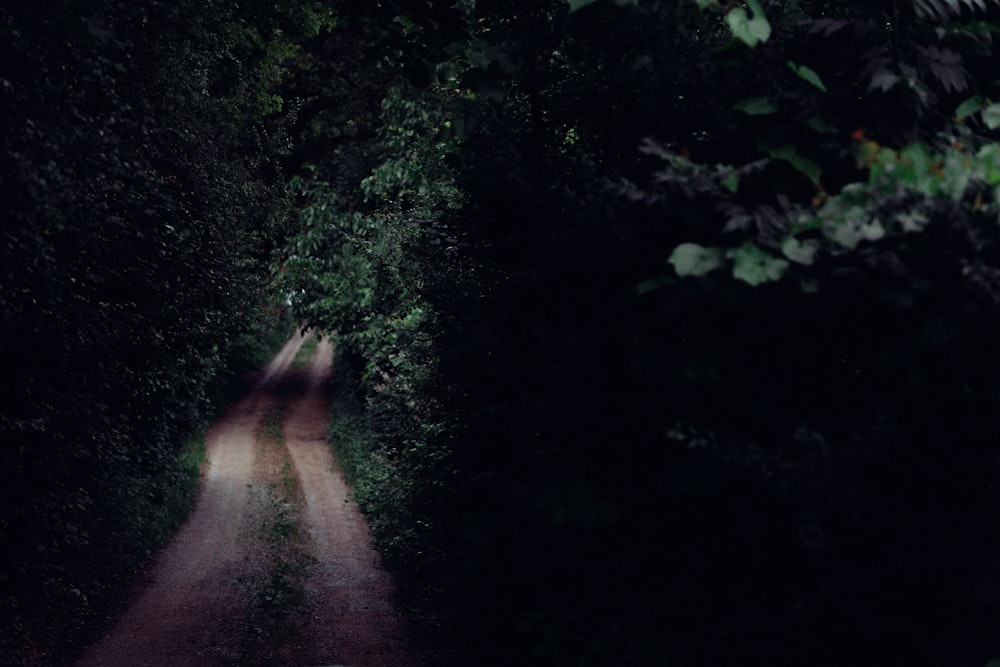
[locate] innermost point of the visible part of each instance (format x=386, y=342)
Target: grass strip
x=282, y=559
x=305, y=354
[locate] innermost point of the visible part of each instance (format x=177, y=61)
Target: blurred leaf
x=912, y=221
x=989, y=157
x=738, y=223
x=800, y=252
x=754, y=266
x=969, y=107
x=817, y=124
x=654, y=284
x=807, y=74
x=991, y=116
x=851, y=227
x=691, y=259
x=750, y=31
x=866, y=154
x=756, y=106
x=732, y=181
x=883, y=80
x=791, y=155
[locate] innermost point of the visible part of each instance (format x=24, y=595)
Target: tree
x=142, y=203
x=704, y=285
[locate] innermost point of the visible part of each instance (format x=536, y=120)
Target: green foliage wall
x=142, y=201
x=703, y=368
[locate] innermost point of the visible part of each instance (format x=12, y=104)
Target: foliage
x=906, y=192
x=661, y=338
x=142, y=203
x=361, y=264
x=771, y=440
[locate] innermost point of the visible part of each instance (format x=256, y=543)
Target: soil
x=200, y=602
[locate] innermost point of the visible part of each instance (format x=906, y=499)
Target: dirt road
x=200, y=606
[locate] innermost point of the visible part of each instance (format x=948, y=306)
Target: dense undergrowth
x=118, y=536
x=655, y=345
x=390, y=491
x=142, y=203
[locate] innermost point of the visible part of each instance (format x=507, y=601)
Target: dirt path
x=197, y=603
x=352, y=621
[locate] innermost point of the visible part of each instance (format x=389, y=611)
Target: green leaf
x=691, y=259
x=989, y=157
x=750, y=31
x=756, y=106
x=991, y=116
x=850, y=227
x=955, y=174
x=808, y=74
x=575, y=5
x=800, y=252
x=654, y=284
x=754, y=266
x=817, y=124
x=969, y=107
x=791, y=155
x=732, y=181
x=704, y=4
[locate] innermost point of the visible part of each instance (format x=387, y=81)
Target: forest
x=664, y=329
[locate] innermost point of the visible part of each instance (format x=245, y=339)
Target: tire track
x=191, y=612
x=352, y=620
